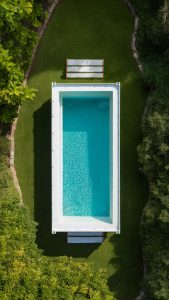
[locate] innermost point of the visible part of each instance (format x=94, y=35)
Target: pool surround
x=61, y=223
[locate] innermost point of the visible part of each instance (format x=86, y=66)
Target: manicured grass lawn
x=86, y=29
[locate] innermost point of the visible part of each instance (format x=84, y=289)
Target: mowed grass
x=86, y=29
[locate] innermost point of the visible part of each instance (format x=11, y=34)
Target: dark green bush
x=153, y=45
x=24, y=272
x=19, y=25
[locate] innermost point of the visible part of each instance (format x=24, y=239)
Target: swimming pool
x=86, y=162
x=85, y=157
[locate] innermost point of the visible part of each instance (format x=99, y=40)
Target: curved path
x=77, y=31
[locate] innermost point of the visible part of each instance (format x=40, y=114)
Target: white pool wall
x=62, y=223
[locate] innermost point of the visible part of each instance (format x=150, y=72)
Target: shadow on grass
x=53, y=245
x=126, y=282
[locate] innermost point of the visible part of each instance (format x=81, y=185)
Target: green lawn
x=86, y=29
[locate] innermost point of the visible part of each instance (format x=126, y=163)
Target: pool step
x=85, y=233
x=85, y=237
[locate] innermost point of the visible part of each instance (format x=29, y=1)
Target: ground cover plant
x=153, y=44
x=87, y=29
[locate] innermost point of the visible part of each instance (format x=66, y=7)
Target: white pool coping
x=62, y=223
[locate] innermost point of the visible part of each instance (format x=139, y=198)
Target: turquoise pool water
x=86, y=156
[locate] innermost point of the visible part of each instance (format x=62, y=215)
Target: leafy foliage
x=153, y=44
x=19, y=24
x=24, y=272
x=12, y=92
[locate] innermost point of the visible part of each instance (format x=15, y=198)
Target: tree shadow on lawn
x=52, y=245
x=126, y=282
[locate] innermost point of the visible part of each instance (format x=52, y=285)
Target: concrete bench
x=85, y=68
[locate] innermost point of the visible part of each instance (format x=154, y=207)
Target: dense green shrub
x=19, y=25
x=19, y=22
x=24, y=272
x=153, y=44
x=12, y=92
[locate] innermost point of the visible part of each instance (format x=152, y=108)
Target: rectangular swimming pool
x=86, y=163
x=85, y=157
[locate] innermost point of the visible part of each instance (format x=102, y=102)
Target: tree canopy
x=153, y=44
x=19, y=24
